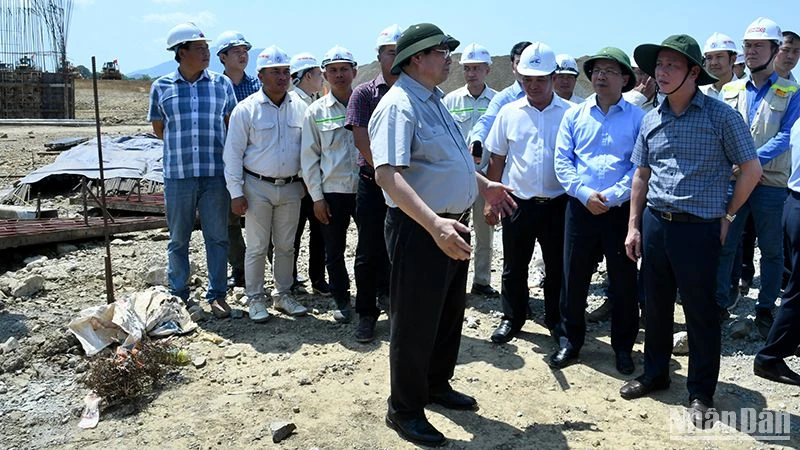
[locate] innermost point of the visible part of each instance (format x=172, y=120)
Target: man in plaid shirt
x=189, y=110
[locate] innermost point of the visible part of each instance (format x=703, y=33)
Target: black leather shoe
x=416, y=430
x=637, y=388
x=484, y=290
x=625, y=363
x=698, y=413
x=778, y=372
x=504, y=332
x=452, y=399
x=763, y=322
x=562, y=358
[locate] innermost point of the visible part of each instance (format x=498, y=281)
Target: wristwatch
x=730, y=217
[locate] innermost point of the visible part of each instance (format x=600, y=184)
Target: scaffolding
x=35, y=80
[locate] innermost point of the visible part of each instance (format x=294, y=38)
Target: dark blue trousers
x=680, y=255
x=584, y=232
x=784, y=337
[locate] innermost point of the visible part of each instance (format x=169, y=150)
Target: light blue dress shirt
x=593, y=150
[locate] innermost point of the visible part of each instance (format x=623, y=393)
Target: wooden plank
x=20, y=233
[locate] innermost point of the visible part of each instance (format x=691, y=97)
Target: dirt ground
x=310, y=370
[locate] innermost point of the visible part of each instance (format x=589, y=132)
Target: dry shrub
x=126, y=376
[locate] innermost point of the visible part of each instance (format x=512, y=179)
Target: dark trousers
x=428, y=291
x=316, y=244
x=583, y=233
x=343, y=207
x=784, y=336
x=679, y=255
x=372, y=262
x=236, y=246
x=533, y=220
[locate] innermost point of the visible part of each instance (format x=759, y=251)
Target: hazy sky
x=135, y=31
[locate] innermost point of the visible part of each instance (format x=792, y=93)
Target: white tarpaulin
x=136, y=157
x=153, y=311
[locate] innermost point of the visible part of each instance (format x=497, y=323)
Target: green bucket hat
x=617, y=55
x=417, y=38
x=646, y=55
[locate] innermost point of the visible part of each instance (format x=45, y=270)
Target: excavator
x=111, y=71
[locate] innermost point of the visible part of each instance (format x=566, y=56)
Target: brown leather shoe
x=220, y=308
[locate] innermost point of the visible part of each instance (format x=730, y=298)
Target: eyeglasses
x=444, y=51
x=606, y=72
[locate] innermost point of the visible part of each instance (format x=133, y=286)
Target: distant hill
x=499, y=78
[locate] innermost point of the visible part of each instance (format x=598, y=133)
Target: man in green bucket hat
x=593, y=164
x=684, y=153
x=430, y=183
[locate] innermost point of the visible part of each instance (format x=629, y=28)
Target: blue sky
x=135, y=31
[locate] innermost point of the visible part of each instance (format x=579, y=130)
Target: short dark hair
x=517, y=49
x=184, y=46
x=790, y=36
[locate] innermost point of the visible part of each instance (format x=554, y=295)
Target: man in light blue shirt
x=593, y=164
x=514, y=92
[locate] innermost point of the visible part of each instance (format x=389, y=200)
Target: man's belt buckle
x=279, y=181
x=666, y=216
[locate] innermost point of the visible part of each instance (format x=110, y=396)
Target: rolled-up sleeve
x=391, y=133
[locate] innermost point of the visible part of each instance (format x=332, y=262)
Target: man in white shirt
x=328, y=158
x=262, y=162
x=466, y=104
x=522, y=143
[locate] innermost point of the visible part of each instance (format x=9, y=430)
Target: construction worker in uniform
x=720, y=55
x=770, y=105
x=262, y=162
x=232, y=50
x=372, y=261
x=330, y=172
x=566, y=77
x=307, y=81
x=739, y=67
x=466, y=104
x=189, y=110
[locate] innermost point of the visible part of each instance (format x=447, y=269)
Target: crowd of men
x=679, y=159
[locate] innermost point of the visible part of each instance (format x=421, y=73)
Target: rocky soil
x=309, y=370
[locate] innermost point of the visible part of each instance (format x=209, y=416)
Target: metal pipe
x=109, y=273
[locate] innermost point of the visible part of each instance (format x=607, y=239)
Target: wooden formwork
x=31, y=94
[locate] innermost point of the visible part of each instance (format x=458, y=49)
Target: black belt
x=367, y=173
x=541, y=200
x=682, y=217
x=462, y=217
x=275, y=181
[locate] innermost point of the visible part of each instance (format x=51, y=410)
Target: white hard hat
x=388, y=36
x=739, y=59
x=475, y=54
x=302, y=61
x=763, y=29
x=272, y=56
x=566, y=64
x=537, y=60
x=184, y=32
x=719, y=42
x=337, y=54
x=230, y=39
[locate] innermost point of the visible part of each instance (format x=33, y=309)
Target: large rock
x=680, y=343
x=155, y=274
x=10, y=345
x=740, y=328
x=281, y=430
x=26, y=287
